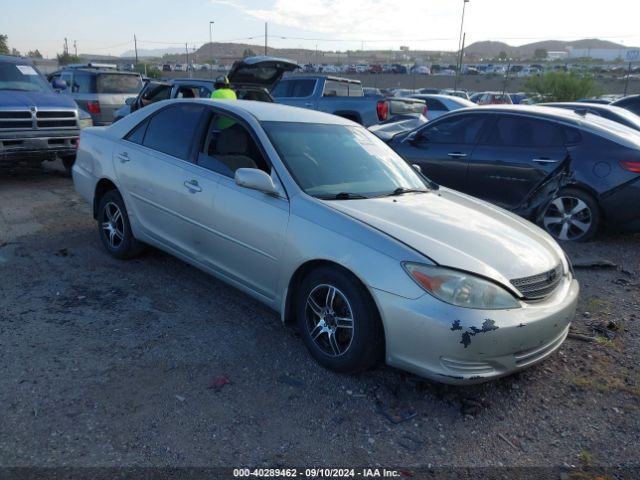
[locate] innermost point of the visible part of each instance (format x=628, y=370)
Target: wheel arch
x=288, y=312
x=103, y=186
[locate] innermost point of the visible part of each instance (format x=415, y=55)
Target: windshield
x=339, y=160
x=22, y=77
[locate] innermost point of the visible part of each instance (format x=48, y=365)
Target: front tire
x=114, y=227
x=338, y=320
x=572, y=215
x=67, y=163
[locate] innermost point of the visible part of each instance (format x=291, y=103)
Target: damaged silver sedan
x=317, y=218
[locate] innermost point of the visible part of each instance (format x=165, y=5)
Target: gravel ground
x=110, y=363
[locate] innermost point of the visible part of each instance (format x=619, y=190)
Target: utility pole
x=265, y=37
x=626, y=83
x=66, y=46
x=459, y=69
x=211, y=22
x=75, y=48
x=135, y=47
x=464, y=4
x=186, y=49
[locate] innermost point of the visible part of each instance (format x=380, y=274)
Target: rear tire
x=339, y=322
x=114, y=227
x=572, y=215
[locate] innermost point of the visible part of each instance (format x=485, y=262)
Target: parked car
x=98, y=88
x=343, y=97
x=494, y=98
x=507, y=155
x=251, y=78
x=318, y=219
x=455, y=93
x=372, y=92
x=438, y=105
x=617, y=114
x=631, y=103
x=36, y=124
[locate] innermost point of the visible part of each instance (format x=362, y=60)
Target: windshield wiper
x=342, y=196
x=403, y=190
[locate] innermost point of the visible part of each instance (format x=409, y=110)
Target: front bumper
x=38, y=145
x=458, y=345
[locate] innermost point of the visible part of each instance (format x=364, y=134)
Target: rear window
x=295, y=88
x=118, y=83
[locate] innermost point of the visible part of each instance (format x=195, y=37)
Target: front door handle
x=543, y=160
x=124, y=157
x=308, y=104
x=192, y=186
x=457, y=155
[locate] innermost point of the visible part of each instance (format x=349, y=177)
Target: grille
x=24, y=119
x=56, y=119
x=13, y=120
x=538, y=286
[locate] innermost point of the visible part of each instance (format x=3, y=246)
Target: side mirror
x=129, y=101
x=59, y=84
x=256, y=180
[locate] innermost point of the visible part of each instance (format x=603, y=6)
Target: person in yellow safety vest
x=223, y=90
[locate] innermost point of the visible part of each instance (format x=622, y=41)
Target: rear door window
x=83, y=83
x=118, y=83
x=515, y=131
x=173, y=129
x=460, y=130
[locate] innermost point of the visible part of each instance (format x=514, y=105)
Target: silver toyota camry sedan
x=318, y=219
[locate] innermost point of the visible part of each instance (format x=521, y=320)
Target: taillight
x=93, y=106
x=631, y=166
x=426, y=110
x=383, y=110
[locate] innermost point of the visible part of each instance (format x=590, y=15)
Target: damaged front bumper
x=458, y=345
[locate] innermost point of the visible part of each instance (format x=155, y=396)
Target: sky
x=109, y=26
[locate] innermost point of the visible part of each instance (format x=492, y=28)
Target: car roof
x=444, y=96
x=96, y=71
x=261, y=111
x=14, y=59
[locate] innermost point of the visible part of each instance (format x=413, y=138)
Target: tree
x=540, y=54
x=66, y=58
x=563, y=86
x=34, y=54
x=15, y=52
x=502, y=55
x=4, y=48
x=248, y=53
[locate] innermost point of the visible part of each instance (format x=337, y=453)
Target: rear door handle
x=457, y=155
x=544, y=160
x=192, y=186
x=308, y=104
x=124, y=157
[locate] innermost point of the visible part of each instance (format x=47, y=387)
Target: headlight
x=85, y=122
x=460, y=288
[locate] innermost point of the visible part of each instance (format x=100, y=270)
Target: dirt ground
x=110, y=363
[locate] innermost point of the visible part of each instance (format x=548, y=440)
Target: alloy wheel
x=568, y=218
x=329, y=320
x=113, y=225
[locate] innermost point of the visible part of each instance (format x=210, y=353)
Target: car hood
x=461, y=232
x=17, y=99
x=260, y=71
